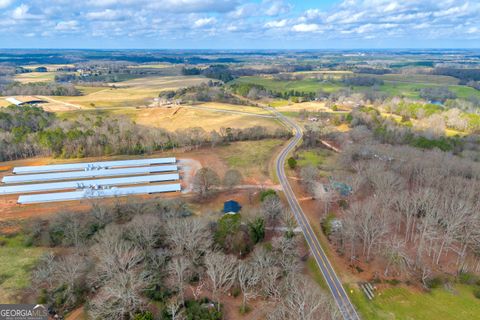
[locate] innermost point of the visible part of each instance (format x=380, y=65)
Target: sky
x=240, y=24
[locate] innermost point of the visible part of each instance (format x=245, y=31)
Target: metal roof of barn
x=87, y=174
x=93, y=165
x=95, y=194
x=84, y=184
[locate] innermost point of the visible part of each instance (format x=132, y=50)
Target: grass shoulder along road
x=406, y=303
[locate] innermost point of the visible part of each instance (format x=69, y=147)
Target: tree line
x=40, y=88
x=29, y=131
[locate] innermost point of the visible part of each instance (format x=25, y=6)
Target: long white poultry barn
x=93, y=165
x=87, y=174
x=93, y=194
x=85, y=184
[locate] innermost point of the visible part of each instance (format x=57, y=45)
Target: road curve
x=347, y=310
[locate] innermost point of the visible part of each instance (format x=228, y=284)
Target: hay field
x=132, y=93
x=233, y=107
x=50, y=67
x=35, y=77
x=183, y=117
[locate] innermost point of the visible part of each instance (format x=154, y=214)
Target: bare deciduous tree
x=180, y=269
x=221, y=270
x=190, y=237
x=232, y=178
x=305, y=301
x=248, y=278
x=272, y=208
x=204, y=182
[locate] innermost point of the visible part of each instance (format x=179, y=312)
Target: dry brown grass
x=132, y=93
x=34, y=77
x=181, y=118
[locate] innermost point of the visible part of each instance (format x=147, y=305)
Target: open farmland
x=34, y=77
x=394, y=85
x=306, y=85
x=131, y=93
x=184, y=117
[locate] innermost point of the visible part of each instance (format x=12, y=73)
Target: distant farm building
x=164, y=102
x=231, y=207
x=21, y=101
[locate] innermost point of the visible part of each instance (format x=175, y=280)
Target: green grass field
x=405, y=303
x=312, y=157
x=306, y=85
x=250, y=156
x=395, y=85
x=16, y=262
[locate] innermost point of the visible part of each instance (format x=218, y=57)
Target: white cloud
x=70, y=25
x=200, y=23
x=276, y=24
x=220, y=6
x=22, y=13
x=106, y=14
x=5, y=3
x=276, y=7
x=352, y=20
x=306, y=27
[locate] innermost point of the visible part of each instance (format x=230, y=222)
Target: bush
x=468, y=278
x=203, y=309
x=327, y=224
x=245, y=309
x=476, y=292
x=393, y=282
x=292, y=163
x=265, y=193
x=236, y=292
x=342, y=203
x=443, y=144
x=257, y=229
x=146, y=315
x=435, y=282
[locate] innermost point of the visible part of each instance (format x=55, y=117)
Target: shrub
x=266, y=193
x=292, y=163
x=327, y=224
x=468, y=278
x=146, y=315
x=435, y=282
x=236, y=292
x=245, y=309
x=342, y=203
x=203, y=309
x=393, y=282
x=476, y=292
x=257, y=229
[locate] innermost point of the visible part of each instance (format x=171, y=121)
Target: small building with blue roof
x=231, y=207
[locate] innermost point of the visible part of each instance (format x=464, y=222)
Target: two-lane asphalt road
x=344, y=304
